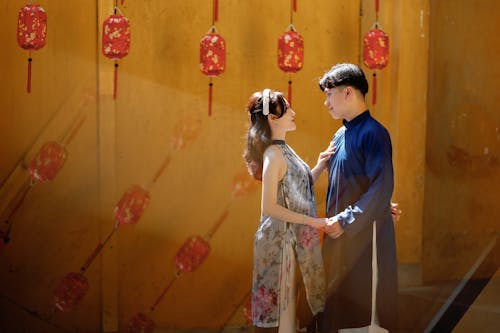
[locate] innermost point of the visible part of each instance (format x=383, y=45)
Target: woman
x=287, y=229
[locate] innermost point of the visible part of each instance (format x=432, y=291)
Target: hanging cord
x=360, y=36
x=215, y=11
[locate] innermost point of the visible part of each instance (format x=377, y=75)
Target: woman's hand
x=325, y=155
x=322, y=163
x=316, y=223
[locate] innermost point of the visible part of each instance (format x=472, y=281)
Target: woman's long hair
x=259, y=133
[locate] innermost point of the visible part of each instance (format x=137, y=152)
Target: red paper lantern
x=47, y=163
x=31, y=32
x=132, y=205
x=290, y=54
x=375, y=54
x=376, y=49
x=140, y=324
x=116, y=41
x=70, y=291
x=192, y=254
x=212, y=59
x=212, y=54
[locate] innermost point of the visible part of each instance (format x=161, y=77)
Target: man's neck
x=356, y=111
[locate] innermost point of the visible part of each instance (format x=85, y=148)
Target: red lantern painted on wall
x=132, y=205
x=290, y=54
x=116, y=41
x=31, y=32
x=70, y=291
x=192, y=254
x=47, y=163
x=212, y=59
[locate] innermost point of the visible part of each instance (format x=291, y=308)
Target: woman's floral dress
x=274, y=237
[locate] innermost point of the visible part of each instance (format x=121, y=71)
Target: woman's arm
x=274, y=169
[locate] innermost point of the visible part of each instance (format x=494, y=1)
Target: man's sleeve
x=379, y=173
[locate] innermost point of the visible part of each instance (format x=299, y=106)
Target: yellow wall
x=463, y=141
x=125, y=142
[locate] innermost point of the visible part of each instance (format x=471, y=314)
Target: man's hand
x=333, y=228
x=395, y=211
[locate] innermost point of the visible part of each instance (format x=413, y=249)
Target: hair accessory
x=266, y=96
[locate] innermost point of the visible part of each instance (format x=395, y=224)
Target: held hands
x=316, y=223
x=333, y=228
x=329, y=225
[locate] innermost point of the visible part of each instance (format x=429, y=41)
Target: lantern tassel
x=115, y=80
x=377, y=5
x=28, y=87
x=294, y=5
x=210, y=98
x=290, y=92
x=216, y=10
x=374, y=85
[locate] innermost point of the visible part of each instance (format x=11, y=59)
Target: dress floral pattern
x=273, y=236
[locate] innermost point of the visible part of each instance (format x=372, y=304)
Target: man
x=360, y=186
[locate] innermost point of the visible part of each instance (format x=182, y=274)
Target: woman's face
x=287, y=121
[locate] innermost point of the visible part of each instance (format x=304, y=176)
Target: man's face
x=335, y=101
